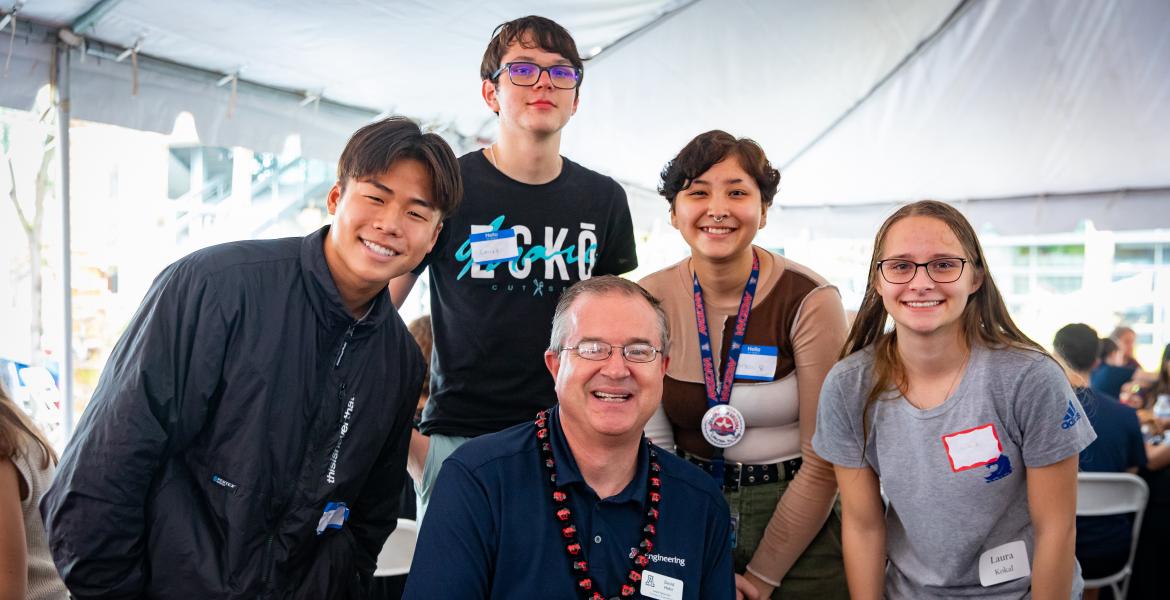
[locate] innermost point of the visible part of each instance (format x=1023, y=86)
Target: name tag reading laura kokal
x=1004, y=563
x=756, y=362
x=494, y=246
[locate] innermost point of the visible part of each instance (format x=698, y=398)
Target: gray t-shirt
x=955, y=474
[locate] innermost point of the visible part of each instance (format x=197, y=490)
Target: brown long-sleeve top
x=797, y=311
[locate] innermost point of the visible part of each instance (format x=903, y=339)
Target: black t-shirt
x=492, y=323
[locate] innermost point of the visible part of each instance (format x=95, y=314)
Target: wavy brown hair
x=985, y=318
x=708, y=149
x=16, y=429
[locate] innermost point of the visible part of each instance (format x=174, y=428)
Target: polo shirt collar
x=568, y=473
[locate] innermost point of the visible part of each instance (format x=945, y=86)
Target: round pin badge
x=723, y=426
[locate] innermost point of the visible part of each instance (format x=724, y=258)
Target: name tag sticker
x=334, y=516
x=494, y=246
x=973, y=447
x=661, y=587
x=1004, y=563
x=756, y=362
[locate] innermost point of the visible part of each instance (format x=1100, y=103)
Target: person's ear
x=334, y=198
x=490, y=91
x=552, y=361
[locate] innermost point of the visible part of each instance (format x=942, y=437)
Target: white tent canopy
x=860, y=103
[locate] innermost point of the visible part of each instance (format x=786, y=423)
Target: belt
x=737, y=475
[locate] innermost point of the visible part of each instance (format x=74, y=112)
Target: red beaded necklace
x=563, y=515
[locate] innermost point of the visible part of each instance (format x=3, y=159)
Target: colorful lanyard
x=719, y=391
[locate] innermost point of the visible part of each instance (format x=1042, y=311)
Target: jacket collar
x=322, y=291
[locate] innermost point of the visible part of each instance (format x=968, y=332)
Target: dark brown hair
x=530, y=32
x=1076, y=344
x=707, y=149
x=1105, y=348
x=373, y=149
x=985, y=318
x=16, y=428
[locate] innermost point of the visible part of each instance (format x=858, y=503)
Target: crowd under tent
x=1032, y=116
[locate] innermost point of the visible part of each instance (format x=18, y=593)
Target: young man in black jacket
x=248, y=436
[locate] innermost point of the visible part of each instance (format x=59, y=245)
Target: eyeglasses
x=635, y=353
x=939, y=270
x=564, y=77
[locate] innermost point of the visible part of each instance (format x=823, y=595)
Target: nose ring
x=719, y=219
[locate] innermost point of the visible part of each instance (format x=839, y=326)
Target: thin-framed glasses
x=939, y=270
x=635, y=353
x=564, y=77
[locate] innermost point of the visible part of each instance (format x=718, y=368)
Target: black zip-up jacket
x=242, y=398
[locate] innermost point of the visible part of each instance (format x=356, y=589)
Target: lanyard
x=719, y=391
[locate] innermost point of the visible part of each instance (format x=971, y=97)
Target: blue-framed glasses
x=564, y=77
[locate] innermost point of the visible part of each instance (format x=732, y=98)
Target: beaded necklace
x=578, y=563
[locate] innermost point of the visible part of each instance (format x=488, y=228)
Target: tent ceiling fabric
x=416, y=58
x=1018, y=98
x=778, y=72
x=1010, y=100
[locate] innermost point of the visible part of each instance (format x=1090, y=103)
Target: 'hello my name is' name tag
x=756, y=362
x=973, y=447
x=493, y=246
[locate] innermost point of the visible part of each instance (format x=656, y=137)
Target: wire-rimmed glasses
x=594, y=350
x=939, y=270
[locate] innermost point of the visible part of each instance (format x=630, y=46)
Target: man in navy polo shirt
x=577, y=503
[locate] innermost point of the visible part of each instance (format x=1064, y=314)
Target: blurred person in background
x=27, y=462
x=1103, y=543
x=1126, y=339
x=1161, y=385
x=1111, y=372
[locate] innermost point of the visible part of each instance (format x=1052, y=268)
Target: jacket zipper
x=344, y=344
x=272, y=534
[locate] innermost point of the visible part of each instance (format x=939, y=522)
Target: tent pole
x=63, y=111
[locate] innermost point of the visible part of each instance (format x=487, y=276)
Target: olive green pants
x=818, y=573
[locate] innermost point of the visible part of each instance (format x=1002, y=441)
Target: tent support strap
x=63, y=112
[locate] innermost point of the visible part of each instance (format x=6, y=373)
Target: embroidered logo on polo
x=663, y=558
x=517, y=251
x=1071, y=416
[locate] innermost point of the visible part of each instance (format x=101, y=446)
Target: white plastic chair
x=1101, y=494
x=398, y=551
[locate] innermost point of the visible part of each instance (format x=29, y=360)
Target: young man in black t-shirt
x=531, y=224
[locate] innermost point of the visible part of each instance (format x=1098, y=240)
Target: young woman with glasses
x=754, y=335
x=968, y=427
x=27, y=462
